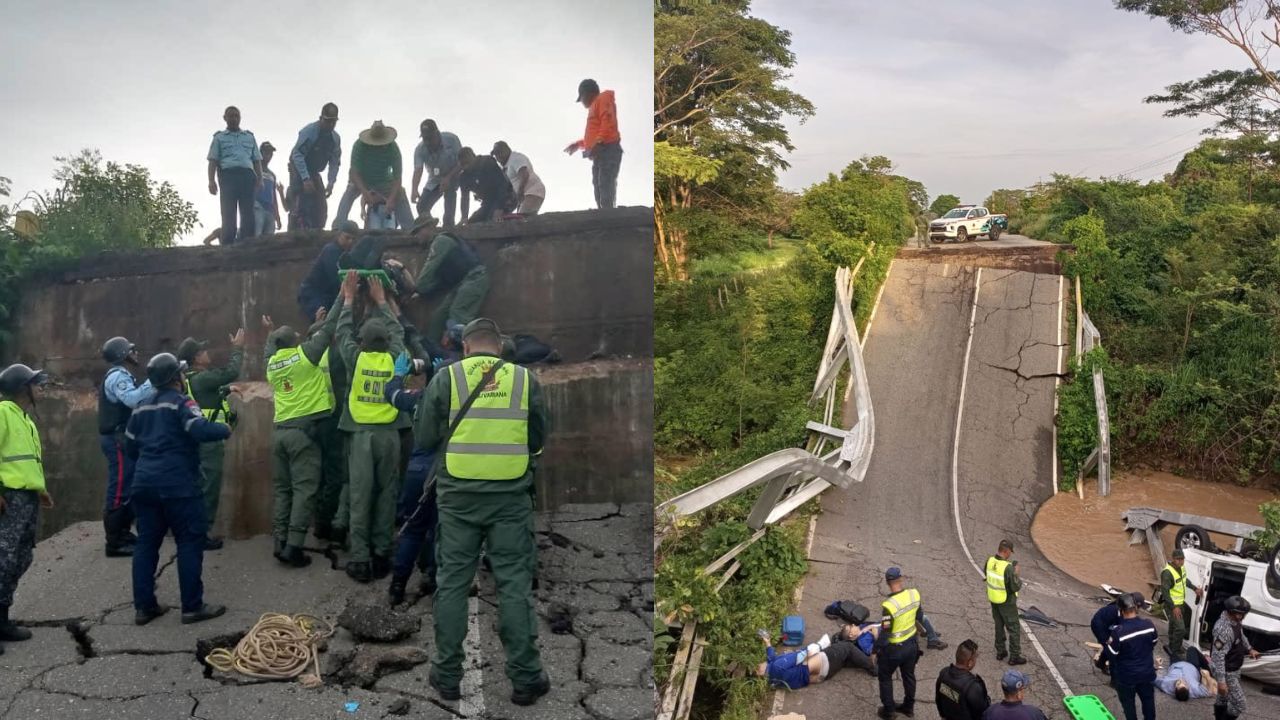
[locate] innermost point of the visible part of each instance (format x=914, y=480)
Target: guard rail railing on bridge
x=791, y=477
x=1087, y=338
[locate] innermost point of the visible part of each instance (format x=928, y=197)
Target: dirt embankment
x=1086, y=538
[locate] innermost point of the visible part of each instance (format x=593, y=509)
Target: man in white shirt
x=528, y=187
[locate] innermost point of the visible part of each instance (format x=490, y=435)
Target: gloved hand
x=403, y=364
x=437, y=363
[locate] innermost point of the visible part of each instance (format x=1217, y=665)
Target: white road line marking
x=955, y=484
x=472, y=703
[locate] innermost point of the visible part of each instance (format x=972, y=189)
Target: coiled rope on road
x=277, y=647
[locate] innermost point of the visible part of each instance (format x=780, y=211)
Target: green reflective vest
x=368, y=403
x=997, y=593
x=492, y=441
x=21, y=466
x=1178, y=592
x=902, y=608
x=301, y=388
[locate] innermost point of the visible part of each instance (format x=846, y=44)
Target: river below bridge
x=1086, y=538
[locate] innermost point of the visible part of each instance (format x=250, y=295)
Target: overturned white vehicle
x=1223, y=574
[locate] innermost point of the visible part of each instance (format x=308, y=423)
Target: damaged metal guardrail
x=792, y=476
x=1087, y=338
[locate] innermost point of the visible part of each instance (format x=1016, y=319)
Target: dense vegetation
x=1182, y=277
x=97, y=206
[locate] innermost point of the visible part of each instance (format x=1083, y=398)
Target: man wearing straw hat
x=377, y=178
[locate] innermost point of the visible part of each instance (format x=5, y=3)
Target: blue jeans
x=157, y=517
x=377, y=219
x=429, y=197
x=417, y=542
x=930, y=634
x=1146, y=692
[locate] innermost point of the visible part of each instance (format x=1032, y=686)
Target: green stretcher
x=380, y=275
x=1087, y=707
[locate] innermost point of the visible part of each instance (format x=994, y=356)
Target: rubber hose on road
x=278, y=647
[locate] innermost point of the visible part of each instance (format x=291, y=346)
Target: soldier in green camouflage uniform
x=207, y=385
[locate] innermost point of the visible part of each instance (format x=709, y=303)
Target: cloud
x=146, y=82
x=970, y=96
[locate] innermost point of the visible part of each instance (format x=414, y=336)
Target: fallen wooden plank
x=675, y=684
x=690, y=681
x=733, y=552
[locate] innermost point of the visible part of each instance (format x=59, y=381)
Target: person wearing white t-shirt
x=529, y=190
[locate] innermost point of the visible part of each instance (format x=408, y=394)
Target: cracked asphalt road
x=87, y=659
x=902, y=514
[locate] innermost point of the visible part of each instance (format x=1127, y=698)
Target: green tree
x=1241, y=101
x=942, y=204
x=719, y=93
x=97, y=206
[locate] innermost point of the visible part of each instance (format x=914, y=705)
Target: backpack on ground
x=848, y=611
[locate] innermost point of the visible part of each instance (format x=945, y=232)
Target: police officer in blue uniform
x=1131, y=650
x=1107, y=617
x=118, y=395
x=163, y=438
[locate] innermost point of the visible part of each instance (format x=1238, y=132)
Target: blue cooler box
x=793, y=630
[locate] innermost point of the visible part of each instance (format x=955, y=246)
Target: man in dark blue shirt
x=163, y=437
x=1107, y=617
x=322, y=284
x=1131, y=652
x=1014, y=685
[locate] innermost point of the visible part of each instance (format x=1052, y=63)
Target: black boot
x=115, y=527
x=10, y=632
x=294, y=556
x=323, y=531
x=279, y=550
x=380, y=567
x=395, y=593
x=529, y=694
x=428, y=585
x=359, y=571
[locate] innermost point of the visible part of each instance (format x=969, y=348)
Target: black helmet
x=1236, y=604
x=163, y=369
x=116, y=349
x=15, y=377
x=1127, y=602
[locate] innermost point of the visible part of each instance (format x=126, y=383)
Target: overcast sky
x=968, y=96
x=146, y=83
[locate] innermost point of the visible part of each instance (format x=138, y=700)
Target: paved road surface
x=1002, y=469
x=593, y=559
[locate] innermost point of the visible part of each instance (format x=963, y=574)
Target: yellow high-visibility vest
x=367, y=401
x=300, y=387
x=1178, y=593
x=21, y=459
x=997, y=593
x=902, y=608
x=492, y=441
x=209, y=413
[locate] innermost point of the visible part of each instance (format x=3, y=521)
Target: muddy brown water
x=1086, y=538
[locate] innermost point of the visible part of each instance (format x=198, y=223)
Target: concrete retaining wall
x=581, y=281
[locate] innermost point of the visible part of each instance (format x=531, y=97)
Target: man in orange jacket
x=601, y=143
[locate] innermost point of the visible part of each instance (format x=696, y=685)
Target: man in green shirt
x=1173, y=591
x=376, y=177
x=373, y=469
x=483, y=493
x=453, y=278
x=303, y=399
x=208, y=386
x=1003, y=585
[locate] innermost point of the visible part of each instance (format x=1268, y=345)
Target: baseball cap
x=1178, y=554
x=266, y=145
x=480, y=325
x=1013, y=681
x=189, y=348
x=892, y=573
x=585, y=87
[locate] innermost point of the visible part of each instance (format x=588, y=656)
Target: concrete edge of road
x=955, y=480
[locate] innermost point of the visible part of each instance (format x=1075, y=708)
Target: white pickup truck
x=966, y=222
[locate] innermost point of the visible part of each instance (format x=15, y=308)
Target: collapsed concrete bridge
x=581, y=281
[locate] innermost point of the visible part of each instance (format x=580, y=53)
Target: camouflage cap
x=284, y=336
x=374, y=330
x=480, y=325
